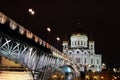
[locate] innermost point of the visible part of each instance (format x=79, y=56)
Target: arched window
x=91, y=46
x=78, y=52
x=75, y=42
x=65, y=46
x=81, y=42
x=91, y=61
x=97, y=61
x=85, y=60
x=84, y=43
x=78, y=42
x=72, y=43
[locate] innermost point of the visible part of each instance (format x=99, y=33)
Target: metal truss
x=37, y=60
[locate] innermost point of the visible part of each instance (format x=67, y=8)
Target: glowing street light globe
x=48, y=29
x=58, y=39
x=31, y=11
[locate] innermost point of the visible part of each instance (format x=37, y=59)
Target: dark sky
x=99, y=18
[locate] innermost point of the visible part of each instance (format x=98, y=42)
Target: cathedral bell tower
x=65, y=46
x=92, y=47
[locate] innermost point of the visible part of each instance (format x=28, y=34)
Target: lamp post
x=49, y=30
x=58, y=39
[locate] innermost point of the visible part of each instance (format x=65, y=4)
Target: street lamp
x=49, y=30
x=58, y=39
x=103, y=66
x=31, y=11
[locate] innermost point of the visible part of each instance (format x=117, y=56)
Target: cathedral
x=82, y=51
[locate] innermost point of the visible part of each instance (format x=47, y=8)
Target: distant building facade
x=104, y=75
x=82, y=52
x=4, y=62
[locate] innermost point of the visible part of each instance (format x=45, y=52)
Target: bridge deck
x=14, y=34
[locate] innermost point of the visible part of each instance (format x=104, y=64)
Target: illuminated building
x=82, y=52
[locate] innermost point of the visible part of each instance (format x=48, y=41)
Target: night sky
x=100, y=20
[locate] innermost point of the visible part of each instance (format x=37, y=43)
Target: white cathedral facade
x=82, y=52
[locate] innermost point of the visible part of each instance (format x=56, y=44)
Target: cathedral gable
x=85, y=52
x=78, y=51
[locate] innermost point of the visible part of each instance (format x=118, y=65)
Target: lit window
x=95, y=78
x=75, y=42
x=91, y=61
x=87, y=77
x=81, y=42
x=97, y=61
x=84, y=43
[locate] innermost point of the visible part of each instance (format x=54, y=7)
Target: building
x=5, y=62
x=104, y=75
x=82, y=51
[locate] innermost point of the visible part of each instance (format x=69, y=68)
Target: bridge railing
x=21, y=30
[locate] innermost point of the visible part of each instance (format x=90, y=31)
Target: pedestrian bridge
x=43, y=60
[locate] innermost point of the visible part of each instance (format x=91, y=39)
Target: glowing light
x=87, y=77
x=103, y=66
x=58, y=39
x=31, y=11
x=3, y=18
x=114, y=69
x=95, y=77
x=48, y=29
x=21, y=30
x=102, y=77
x=36, y=39
x=13, y=25
x=98, y=69
x=40, y=41
x=6, y=75
x=29, y=34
